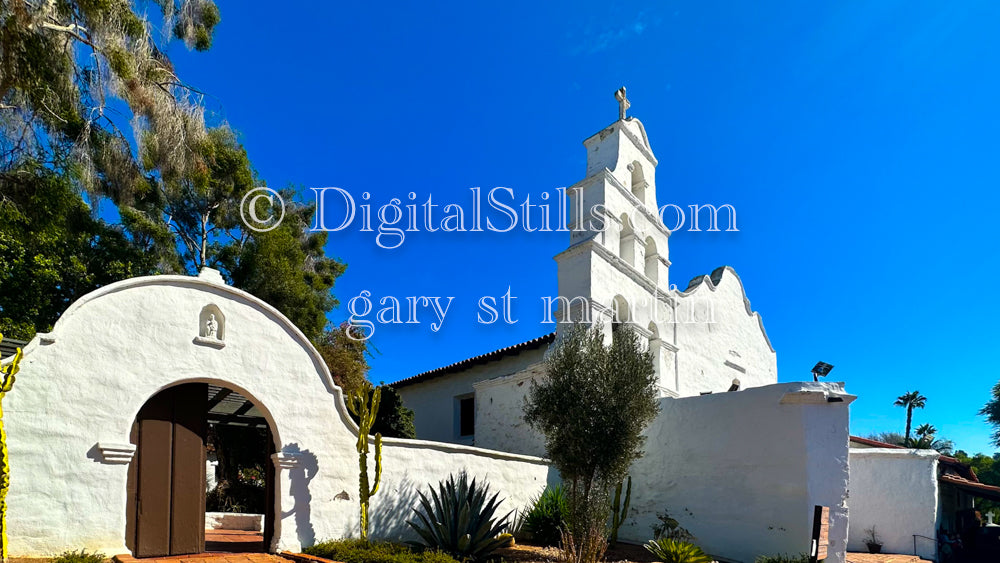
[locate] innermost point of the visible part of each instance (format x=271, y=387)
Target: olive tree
x=592, y=408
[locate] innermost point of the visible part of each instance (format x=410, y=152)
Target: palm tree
x=911, y=400
x=925, y=430
x=927, y=440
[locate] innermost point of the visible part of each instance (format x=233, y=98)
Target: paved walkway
x=233, y=541
x=207, y=558
x=882, y=558
x=221, y=546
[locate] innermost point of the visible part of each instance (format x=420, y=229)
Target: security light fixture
x=822, y=369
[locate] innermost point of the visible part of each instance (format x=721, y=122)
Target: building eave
x=465, y=364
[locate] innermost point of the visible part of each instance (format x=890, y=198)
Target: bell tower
x=616, y=268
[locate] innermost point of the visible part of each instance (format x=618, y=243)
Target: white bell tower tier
x=617, y=267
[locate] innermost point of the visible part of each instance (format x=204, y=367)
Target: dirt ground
x=622, y=553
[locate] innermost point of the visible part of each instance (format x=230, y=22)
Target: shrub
x=671, y=551
x=360, y=551
x=79, y=557
x=461, y=522
x=592, y=409
x=782, y=559
x=547, y=516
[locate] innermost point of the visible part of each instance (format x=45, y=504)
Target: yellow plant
x=7, y=373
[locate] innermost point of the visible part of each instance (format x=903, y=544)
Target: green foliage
x=176, y=183
x=64, y=63
x=672, y=551
x=546, y=518
x=393, y=420
x=927, y=440
x=619, y=511
x=288, y=268
x=347, y=359
x=802, y=558
x=991, y=410
x=592, y=409
x=79, y=557
x=987, y=469
x=894, y=438
x=346, y=353
x=361, y=551
x=53, y=250
x=670, y=528
x=240, y=453
x=461, y=520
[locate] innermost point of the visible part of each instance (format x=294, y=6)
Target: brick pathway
x=221, y=546
x=233, y=541
x=207, y=558
x=882, y=558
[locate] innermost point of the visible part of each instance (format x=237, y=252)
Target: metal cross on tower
x=623, y=103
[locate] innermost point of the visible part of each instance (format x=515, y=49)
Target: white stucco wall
x=69, y=416
x=895, y=490
x=720, y=338
x=433, y=401
x=500, y=421
x=742, y=471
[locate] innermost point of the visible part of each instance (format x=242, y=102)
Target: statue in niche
x=211, y=327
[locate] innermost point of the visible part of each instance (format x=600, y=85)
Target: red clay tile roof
x=476, y=360
x=974, y=487
x=874, y=443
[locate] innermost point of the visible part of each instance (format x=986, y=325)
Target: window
x=466, y=415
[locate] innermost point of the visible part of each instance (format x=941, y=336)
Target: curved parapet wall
x=722, y=337
x=80, y=387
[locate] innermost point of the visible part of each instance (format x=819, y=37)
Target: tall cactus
x=618, y=515
x=7, y=373
x=363, y=403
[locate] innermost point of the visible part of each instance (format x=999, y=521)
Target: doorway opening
x=201, y=479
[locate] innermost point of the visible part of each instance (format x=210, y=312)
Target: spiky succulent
x=459, y=520
x=672, y=551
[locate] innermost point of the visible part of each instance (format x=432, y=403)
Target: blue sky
x=858, y=142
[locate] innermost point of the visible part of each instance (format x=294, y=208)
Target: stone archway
x=166, y=507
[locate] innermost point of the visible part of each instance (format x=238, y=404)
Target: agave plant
x=459, y=520
x=672, y=551
x=547, y=516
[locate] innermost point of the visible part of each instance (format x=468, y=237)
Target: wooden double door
x=166, y=480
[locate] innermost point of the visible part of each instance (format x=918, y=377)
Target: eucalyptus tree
x=81, y=82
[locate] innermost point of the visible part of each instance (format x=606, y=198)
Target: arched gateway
x=106, y=427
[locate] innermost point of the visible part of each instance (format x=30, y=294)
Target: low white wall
x=234, y=521
x=412, y=466
x=897, y=492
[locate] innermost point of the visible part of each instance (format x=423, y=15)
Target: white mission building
x=706, y=339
